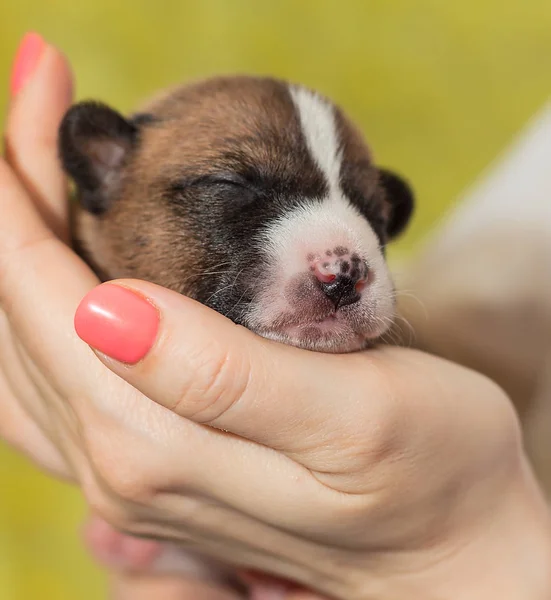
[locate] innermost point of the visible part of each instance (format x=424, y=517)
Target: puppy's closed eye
x=230, y=180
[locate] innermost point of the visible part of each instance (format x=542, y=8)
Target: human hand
x=41, y=89
x=389, y=473
x=34, y=191
x=383, y=460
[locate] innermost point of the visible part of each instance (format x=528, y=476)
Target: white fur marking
x=315, y=227
x=317, y=119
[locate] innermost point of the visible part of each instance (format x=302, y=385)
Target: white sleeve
x=515, y=189
x=479, y=292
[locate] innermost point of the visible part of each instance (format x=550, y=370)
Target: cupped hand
x=385, y=474
x=35, y=415
x=356, y=475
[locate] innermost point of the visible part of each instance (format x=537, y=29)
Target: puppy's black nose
x=342, y=281
x=342, y=290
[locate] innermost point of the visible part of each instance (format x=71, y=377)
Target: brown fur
x=263, y=124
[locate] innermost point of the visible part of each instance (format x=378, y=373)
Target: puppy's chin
x=329, y=346
x=324, y=337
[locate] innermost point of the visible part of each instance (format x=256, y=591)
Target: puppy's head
x=256, y=197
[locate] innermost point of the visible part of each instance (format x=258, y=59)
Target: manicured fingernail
x=30, y=50
x=118, y=322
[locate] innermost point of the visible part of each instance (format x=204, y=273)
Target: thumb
x=205, y=368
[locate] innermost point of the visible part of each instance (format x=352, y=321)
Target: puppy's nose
x=342, y=281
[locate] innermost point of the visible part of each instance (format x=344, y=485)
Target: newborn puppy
x=254, y=196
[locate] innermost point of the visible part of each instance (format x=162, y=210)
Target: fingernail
x=262, y=592
x=117, y=322
x=30, y=50
x=140, y=554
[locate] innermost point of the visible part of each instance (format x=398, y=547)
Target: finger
x=23, y=434
x=265, y=587
x=116, y=550
x=41, y=304
x=17, y=378
x=267, y=592
x=208, y=370
x=147, y=587
x=340, y=416
x=31, y=136
x=122, y=552
x=24, y=422
x=28, y=393
x=21, y=225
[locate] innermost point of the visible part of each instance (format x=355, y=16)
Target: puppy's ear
x=95, y=143
x=400, y=200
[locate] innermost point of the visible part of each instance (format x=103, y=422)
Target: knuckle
x=124, y=479
x=217, y=382
x=127, y=483
x=358, y=461
x=5, y=173
x=16, y=239
x=374, y=437
x=9, y=433
x=505, y=433
x=22, y=136
x=10, y=250
x=367, y=449
x=121, y=505
x=103, y=504
x=98, y=499
x=374, y=446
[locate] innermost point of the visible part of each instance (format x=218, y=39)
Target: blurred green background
x=438, y=87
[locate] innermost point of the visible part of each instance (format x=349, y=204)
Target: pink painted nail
x=118, y=322
x=30, y=50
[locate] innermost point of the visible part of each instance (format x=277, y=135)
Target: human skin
x=388, y=474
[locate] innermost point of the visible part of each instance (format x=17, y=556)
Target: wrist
x=506, y=556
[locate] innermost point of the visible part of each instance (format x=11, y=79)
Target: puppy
x=254, y=196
